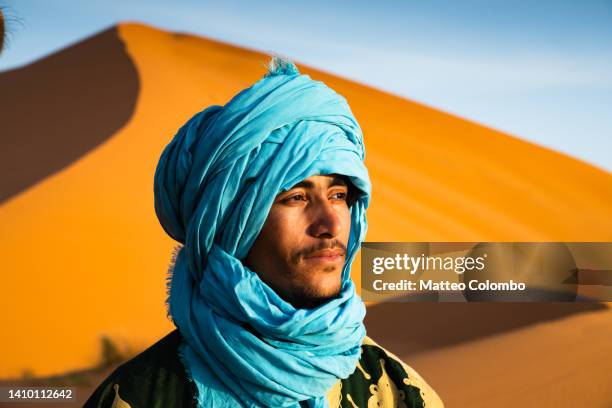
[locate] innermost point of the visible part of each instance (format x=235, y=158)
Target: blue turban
x=214, y=186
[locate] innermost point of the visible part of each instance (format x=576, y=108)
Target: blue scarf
x=214, y=186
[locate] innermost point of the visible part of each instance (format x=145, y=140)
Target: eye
x=340, y=195
x=295, y=198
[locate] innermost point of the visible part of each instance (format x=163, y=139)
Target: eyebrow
x=336, y=181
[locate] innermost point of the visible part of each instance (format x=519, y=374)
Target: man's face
x=301, y=249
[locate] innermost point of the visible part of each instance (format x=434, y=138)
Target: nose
x=325, y=222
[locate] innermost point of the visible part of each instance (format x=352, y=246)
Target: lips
x=326, y=255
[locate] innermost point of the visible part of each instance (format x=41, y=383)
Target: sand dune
x=56, y=110
x=83, y=254
x=556, y=363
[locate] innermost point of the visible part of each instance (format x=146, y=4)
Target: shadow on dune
x=412, y=328
x=57, y=109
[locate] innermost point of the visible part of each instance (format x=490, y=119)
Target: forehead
x=326, y=180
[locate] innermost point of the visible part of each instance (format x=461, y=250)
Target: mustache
x=318, y=247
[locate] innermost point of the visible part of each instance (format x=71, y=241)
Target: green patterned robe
x=156, y=378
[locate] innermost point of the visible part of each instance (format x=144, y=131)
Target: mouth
x=326, y=256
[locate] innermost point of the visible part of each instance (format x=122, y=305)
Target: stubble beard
x=305, y=294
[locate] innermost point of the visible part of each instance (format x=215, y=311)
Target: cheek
x=345, y=217
x=281, y=232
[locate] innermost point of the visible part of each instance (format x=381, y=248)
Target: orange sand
x=84, y=255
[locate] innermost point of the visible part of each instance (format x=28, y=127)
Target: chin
x=309, y=295
x=326, y=282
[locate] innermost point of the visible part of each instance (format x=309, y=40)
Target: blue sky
x=540, y=70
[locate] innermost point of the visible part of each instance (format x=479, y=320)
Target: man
x=268, y=195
